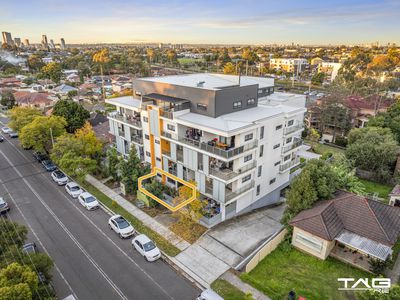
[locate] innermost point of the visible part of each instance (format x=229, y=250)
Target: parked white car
x=209, y=294
x=6, y=129
x=59, y=177
x=121, y=226
x=146, y=247
x=73, y=189
x=88, y=201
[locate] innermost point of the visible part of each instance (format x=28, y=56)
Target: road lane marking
x=71, y=236
x=102, y=232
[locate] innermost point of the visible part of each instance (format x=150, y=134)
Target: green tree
x=39, y=133
x=17, y=282
x=22, y=116
x=318, y=78
x=35, y=62
x=7, y=99
x=74, y=113
x=52, y=71
x=389, y=119
x=77, y=154
x=15, y=234
x=72, y=94
x=112, y=163
x=346, y=177
x=394, y=294
x=373, y=149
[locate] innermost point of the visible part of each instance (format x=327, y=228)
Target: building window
x=148, y=153
x=258, y=190
x=272, y=180
x=158, y=159
x=278, y=127
x=248, y=137
x=248, y=158
x=201, y=106
x=277, y=146
x=287, y=157
x=170, y=127
x=261, y=150
x=146, y=136
x=145, y=119
x=157, y=141
x=261, y=132
x=290, y=123
x=309, y=242
x=259, y=171
x=246, y=178
x=288, y=140
x=237, y=104
x=260, y=91
x=277, y=163
x=251, y=101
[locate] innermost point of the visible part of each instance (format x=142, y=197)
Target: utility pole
x=51, y=135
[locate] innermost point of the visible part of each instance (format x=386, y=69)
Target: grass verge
x=161, y=242
x=227, y=290
x=287, y=269
x=190, y=230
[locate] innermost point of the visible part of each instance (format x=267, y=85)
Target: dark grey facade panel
x=225, y=99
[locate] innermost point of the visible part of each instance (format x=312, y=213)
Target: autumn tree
x=21, y=116
x=52, y=71
x=35, y=62
x=229, y=68
x=102, y=57
x=40, y=133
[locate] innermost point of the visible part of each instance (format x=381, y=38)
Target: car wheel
x=120, y=235
x=145, y=257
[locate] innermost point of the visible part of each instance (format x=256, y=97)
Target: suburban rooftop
x=211, y=81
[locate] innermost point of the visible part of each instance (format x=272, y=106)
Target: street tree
x=41, y=132
x=7, y=99
x=112, y=163
x=102, y=57
x=17, y=282
x=74, y=113
x=229, y=68
x=21, y=116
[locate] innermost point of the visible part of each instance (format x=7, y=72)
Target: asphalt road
x=91, y=262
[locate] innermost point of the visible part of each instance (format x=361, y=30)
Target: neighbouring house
x=101, y=127
x=38, y=100
x=10, y=83
x=359, y=111
x=73, y=78
x=395, y=196
x=63, y=89
x=348, y=227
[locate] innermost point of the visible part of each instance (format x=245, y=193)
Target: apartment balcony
x=288, y=165
x=294, y=128
x=130, y=120
x=228, y=174
x=297, y=143
x=229, y=195
x=137, y=139
x=210, y=147
x=121, y=133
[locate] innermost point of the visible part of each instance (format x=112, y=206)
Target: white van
x=209, y=294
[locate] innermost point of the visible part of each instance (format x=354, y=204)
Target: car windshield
x=90, y=199
x=59, y=174
x=149, y=246
x=2, y=202
x=122, y=223
x=74, y=188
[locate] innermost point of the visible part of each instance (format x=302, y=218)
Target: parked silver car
x=4, y=207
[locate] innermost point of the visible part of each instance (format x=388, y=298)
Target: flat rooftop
x=126, y=101
x=211, y=81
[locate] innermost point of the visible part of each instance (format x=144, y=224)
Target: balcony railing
x=227, y=174
x=213, y=149
x=167, y=114
x=286, y=166
x=137, y=139
x=291, y=129
x=297, y=143
x=230, y=195
x=122, y=118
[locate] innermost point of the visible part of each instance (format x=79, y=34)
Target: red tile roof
x=29, y=98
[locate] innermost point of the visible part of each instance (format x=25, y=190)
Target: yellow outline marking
x=162, y=172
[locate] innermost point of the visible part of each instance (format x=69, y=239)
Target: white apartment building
x=331, y=69
x=233, y=137
x=291, y=65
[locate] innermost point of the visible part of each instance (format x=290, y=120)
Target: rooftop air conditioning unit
x=201, y=83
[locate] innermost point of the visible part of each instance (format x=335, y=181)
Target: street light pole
x=51, y=135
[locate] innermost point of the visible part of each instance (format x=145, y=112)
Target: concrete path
x=244, y=287
x=137, y=213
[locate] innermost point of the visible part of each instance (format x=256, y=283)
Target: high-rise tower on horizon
x=62, y=44
x=7, y=39
x=45, y=45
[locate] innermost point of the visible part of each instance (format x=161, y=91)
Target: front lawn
x=287, y=269
x=374, y=187
x=324, y=148
x=227, y=290
x=161, y=242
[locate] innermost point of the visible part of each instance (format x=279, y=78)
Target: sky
x=204, y=21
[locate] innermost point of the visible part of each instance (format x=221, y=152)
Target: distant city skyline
x=205, y=22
